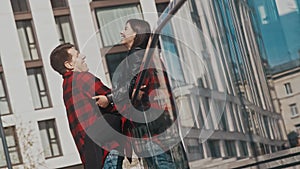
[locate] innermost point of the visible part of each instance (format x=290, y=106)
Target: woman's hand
x=102, y=101
x=140, y=94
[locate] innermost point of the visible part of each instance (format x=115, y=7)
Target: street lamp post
x=4, y=143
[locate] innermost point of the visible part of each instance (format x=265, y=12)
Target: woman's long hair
x=143, y=31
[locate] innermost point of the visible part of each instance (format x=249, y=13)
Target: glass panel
x=294, y=110
x=37, y=88
x=161, y=7
x=13, y=147
x=4, y=104
x=64, y=29
x=23, y=39
x=214, y=147
x=231, y=150
x=19, y=5
x=113, y=60
x=27, y=40
x=112, y=20
x=288, y=88
x=186, y=119
x=49, y=138
x=59, y=3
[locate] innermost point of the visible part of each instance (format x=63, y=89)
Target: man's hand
x=102, y=101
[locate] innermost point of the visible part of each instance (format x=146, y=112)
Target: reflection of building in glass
x=279, y=23
x=282, y=45
x=214, y=63
x=285, y=79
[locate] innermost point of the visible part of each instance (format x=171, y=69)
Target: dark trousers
x=101, y=133
x=93, y=154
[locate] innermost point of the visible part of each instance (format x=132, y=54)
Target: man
x=84, y=115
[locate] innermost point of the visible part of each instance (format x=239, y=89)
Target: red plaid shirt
x=82, y=112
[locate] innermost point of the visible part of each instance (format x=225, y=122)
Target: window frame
x=49, y=139
x=33, y=31
x=21, y=12
x=57, y=8
x=65, y=11
x=35, y=66
x=294, y=110
x=16, y=145
x=288, y=88
x=5, y=92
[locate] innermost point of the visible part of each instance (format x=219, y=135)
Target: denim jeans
x=159, y=159
x=113, y=160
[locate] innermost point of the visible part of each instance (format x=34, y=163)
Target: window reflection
x=59, y=3
x=112, y=20
x=38, y=88
x=27, y=40
x=64, y=29
x=49, y=137
x=19, y=6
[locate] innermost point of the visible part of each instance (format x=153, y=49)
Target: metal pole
x=174, y=6
x=4, y=143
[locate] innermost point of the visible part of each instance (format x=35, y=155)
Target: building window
x=288, y=88
x=214, y=146
x=38, y=88
x=297, y=126
x=27, y=40
x=4, y=102
x=194, y=149
x=59, y=3
x=231, y=149
x=13, y=147
x=111, y=21
x=64, y=29
x=294, y=110
x=113, y=60
x=63, y=22
x=243, y=148
x=50, y=140
x=160, y=7
x=19, y=6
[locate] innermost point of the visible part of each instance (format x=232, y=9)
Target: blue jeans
x=159, y=159
x=113, y=160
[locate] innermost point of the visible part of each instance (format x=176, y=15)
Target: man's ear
x=68, y=65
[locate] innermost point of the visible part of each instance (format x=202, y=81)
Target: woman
x=147, y=116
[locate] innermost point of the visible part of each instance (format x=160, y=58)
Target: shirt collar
x=67, y=74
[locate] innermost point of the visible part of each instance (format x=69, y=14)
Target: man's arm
x=95, y=89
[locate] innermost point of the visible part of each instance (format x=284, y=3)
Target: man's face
x=77, y=64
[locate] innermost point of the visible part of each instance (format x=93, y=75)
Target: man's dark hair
x=143, y=31
x=59, y=56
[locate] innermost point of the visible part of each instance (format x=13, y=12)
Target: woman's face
x=127, y=36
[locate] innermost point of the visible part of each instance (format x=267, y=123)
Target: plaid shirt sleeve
x=93, y=86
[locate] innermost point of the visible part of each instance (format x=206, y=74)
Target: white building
x=31, y=104
x=286, y=77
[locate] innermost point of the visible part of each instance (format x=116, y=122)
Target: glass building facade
x=212, y=52
x=278, y=22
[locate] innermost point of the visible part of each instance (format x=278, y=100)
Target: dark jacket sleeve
x=127, y=71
